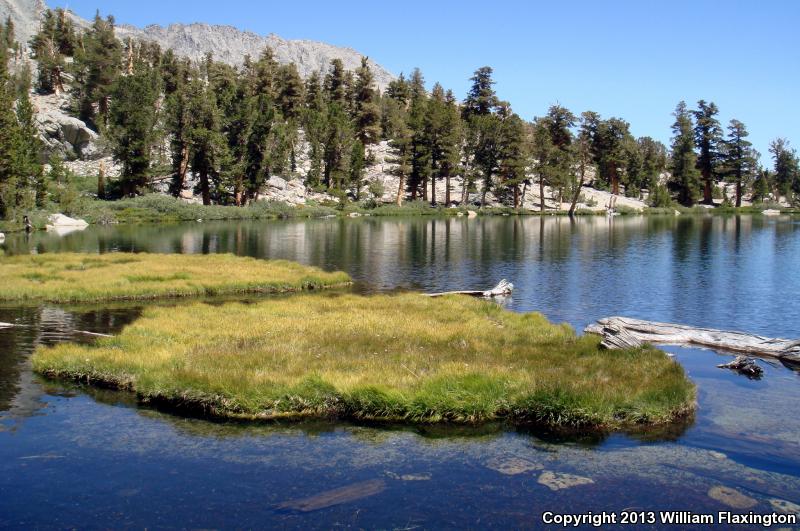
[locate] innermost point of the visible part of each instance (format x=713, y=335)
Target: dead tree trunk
x=624, y=332
x=504, y=287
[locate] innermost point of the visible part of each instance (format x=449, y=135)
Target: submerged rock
x=785, y=507
x=558, y=481
x=409, y=477
x=512, y=466
x=329, y=498
x=731, y=498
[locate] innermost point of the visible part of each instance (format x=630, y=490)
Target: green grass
x=386, y=357
x=126, y=276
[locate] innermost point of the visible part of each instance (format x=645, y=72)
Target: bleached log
x=500, y=290
x=624, y=332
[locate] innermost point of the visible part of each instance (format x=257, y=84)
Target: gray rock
x=558, y=481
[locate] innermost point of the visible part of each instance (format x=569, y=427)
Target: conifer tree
x=367, y=109
x=612, y=138
x=49, y=57
x=336, y=83
x=582, y=155
x=314, y=120
x=761, y=186
x=512, y=169
x=98, y=68
x=739, y=159
x=708, y=139
x=683, y=160
x=559, y=122
x=206, y=143
x=420, y=146
x=786, y=169
x=131, y=126
x=483, y=127
x=401, y=144
x=654, y=161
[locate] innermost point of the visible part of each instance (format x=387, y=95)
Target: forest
x=232, y=128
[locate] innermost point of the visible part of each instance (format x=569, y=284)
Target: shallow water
x=72, y=457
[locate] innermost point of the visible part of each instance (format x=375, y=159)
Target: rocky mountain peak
x=226, y=43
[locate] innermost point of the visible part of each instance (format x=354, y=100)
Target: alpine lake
x=78, y=457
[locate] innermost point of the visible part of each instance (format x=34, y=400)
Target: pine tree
x=335, y=83
x=559, y=122
x=206, y=143
x=367, y=109
x=290, y=92
x=481, y=99
x=483, y=127
x=338, y=148
x=11, y=174
x=739, y=159
x=401, y=146
x=131, y=126
x=542, y=150
x=654, y=161
x=98, y=68
x=787, y=169
x=612, y=137
x=314, y=120
x=583, y=155
x=761, y=186
x=46, y=50
x=420, y=146
x=7, y=34
x=708, y=139
x=683, y=160
x=512, y=169
x=30, y=146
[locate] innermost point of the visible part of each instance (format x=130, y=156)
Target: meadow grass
x=401, y=357
x=69, y=277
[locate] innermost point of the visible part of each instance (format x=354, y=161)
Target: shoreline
x=156, y=209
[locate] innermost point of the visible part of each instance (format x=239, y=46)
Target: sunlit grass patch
x=125, y=276
x=401, y=357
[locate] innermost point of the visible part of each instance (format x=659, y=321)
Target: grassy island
x=388, y=357
x=128, y=276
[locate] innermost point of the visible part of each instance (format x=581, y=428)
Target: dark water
x=73, y=457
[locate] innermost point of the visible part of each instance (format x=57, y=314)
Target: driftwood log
x=744, y=365
x=624, y=332
x=500, y=290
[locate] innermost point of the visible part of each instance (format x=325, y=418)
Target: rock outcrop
x=63, y=135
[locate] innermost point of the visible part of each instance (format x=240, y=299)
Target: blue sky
x=632, y=59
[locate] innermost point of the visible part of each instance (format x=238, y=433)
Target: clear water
x=76, y=457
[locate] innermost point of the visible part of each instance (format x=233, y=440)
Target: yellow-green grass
x=127, y=276
x=385, y=357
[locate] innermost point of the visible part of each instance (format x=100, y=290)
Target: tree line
x=235, y=127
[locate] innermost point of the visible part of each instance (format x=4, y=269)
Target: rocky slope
x=227, y=43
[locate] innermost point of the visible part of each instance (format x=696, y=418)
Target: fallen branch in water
x=84, y=332
x=500, y=290
x=744, y=365
x=94, y=334
x=624, y=332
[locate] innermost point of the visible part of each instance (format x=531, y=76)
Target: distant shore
x=157, y=208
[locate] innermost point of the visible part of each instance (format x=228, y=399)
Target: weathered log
x=744, y=365
x=5, y=325
x=624, y=332
x=500, y=290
